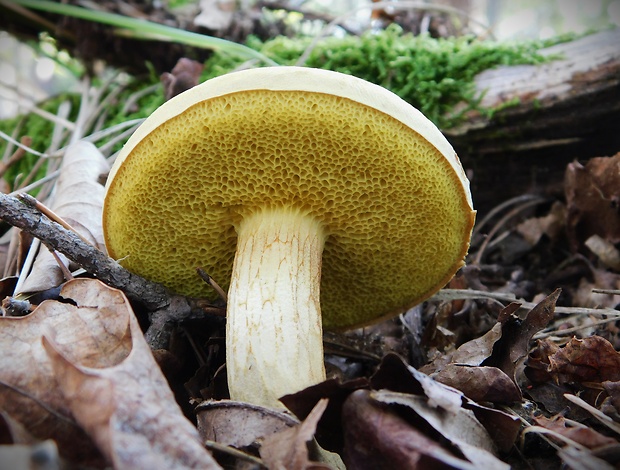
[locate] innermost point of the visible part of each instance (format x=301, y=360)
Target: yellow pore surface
x=394, y=210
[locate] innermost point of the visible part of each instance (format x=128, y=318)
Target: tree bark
x=566, y=109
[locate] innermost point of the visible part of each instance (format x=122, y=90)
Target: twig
x=17, y=155
x=165, y=309
x=570, y=331
x=55, y=237
x=216, y=446
x=465, y=294
x=214, y=285
x=500, y=207
x=478, y=258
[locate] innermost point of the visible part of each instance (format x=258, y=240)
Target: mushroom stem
x=274, y=341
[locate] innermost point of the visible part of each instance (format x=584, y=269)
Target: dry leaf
x=582, y=435
x=605, y=251
x=394, y=375
x=329, y=431
x=550, y=225
x=377, y=437
x=288, y=449
x=79, y=201
x=479, y=383
x=461, y=428
x=476, y=351
x=118, y=394
x=591, y=359
x=30, y=391
x=514, y=344
x=100, y=373
x=238, y=424
x=592, y=199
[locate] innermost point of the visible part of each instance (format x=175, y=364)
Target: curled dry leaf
x=239, y=424
x=461, y=428
x=283, y=438
x=83, y=364
x=288, y=449
x=30, y=391
x=376, y=436
x=79, y=201
x=394, y=375
x=514, y=345
x=479, y=383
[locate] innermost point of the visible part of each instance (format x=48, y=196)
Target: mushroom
x=283, y=183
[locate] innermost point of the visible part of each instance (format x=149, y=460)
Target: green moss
x=434, y=75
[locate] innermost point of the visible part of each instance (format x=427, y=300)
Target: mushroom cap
x=381, y=179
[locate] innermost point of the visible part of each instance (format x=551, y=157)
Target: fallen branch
x=165, y=309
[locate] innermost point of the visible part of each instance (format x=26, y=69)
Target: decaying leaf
x=461, y=428
x=591, y=359
x=85, y=360
x=30, y=391
x=329, y=431
x=484, y=368
x=592, y=199
x=479, y=383
x=376, y=436
x=79, y=201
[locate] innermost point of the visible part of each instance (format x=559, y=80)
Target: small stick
x=165, y=309
x=17, y=155
x=57, y=238
x=209, y=280
x=65, y=271
x=212, y=445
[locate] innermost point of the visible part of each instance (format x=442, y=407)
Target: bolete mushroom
x=281, y=183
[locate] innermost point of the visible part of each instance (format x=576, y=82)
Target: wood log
x=552, y=114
